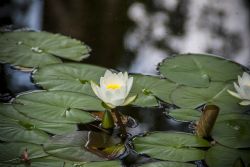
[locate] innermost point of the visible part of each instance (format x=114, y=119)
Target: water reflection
x=152, y=119
x=165, y=27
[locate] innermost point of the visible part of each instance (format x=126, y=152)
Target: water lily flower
x=114, y=89
x=243, y=89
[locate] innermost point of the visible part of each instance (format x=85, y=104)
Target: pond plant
x=79, y=115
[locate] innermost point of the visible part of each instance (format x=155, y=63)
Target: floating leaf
x=172, y=146
x=12, y=152
x=18, y=131
x=68, y=76
x=185, y=114
x=219, y=156
x=58, y=106
x=71, y=147
x=100, y=164
x=216, y=93
x=8, y=112
x=168, y=164
x=198, y=70
x=234, y=132
x=32, y=49
x=149, y=86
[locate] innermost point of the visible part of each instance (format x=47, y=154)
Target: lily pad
x=68, y=76
x=219, y=156
x=58, y=106
x=11, y=152
x=7, y=112
x=100, y=164
x=71, y=147
x=147, y=87
x=168, y=164
x=234, y=132
x=172, y=146
x=183, y=114
x=198, y=70
x=32, y=49
x=17, y=131
x=216, y=93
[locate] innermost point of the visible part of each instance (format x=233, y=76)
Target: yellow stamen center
x=113, y=86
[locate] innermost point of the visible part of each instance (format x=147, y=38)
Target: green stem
x=119, y=122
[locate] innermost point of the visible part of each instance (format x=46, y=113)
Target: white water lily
x=242, y=89
x=114, y=89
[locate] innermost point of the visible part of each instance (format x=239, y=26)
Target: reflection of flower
x=243, y=89
x=114, y=89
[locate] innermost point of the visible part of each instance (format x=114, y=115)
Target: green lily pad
x=11, y=152
x=234, y=132
x=216, y=93
x=71, y=147
x=17, y=131
x=185, y=114
x=68, y=76
x=219, y=156
x=32, y=49
x=47, y=161
x=7, y=110
x=168, y=164
x=172, y=146
x=198, y=70
x=147, y=87
x=58, y=106
x=100, y=164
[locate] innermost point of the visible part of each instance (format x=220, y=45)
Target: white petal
x=117, y=102
x=129, y=100
x=234, y=94
x=246, y=90
x=239, y=90
x=245, y=102
x=246, y=76
x=95, y=89
x=108, y=74
x=129, y=84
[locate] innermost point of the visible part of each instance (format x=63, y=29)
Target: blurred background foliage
x=135, y=35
